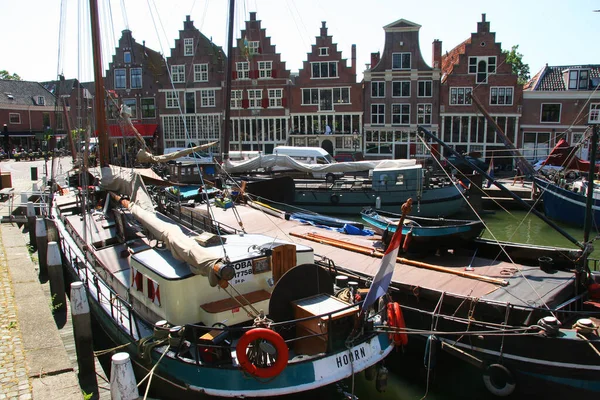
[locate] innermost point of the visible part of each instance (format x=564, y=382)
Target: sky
x=37, y=46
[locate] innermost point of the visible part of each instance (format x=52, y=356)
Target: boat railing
x=593, y=264
x=195, y=220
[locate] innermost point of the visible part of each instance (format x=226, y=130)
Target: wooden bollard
x=55, y=276
x=122, y=380
x=31, y=223
x=41, y=239
x=82, y=330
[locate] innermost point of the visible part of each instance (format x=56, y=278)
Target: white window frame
x=424, y=113
x=402, y=85
x=594, y=114
x=501, y=94
x=379, y=114
x=178, y=73
x=172, y=99
x=265, y=69
x=120, y=72
x=254, y=98
x=134, y=110
x=253, y=47
x=542, y=113
x=578, y=84
x=401, y=113
x=401, y=58
x=126, y=55
x=323, y=51
x=41, y=101
x=425, y=89
x=321, y=63
x=133, y=81
x=236, y=99
x=467, y=101
x=201, y=72
x=340, y=91
x=188, y=46
x=14, y=122
x=207, y=98
x=377, y=89
x=142, y=107
x=243, y=70
x=275, y=97
x=490, y=67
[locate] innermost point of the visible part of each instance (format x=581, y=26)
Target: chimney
x=437, y=54
x=323, y=28
x=253, y=16
x=188, y=24
x=353, y=60
x=374, y=59
x=483, y=26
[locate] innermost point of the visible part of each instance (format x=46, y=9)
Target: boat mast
x=590, y=191
x=99, y=85
x=229, y=73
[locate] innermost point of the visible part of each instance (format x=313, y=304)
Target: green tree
x=515, y=59
x=4, y=74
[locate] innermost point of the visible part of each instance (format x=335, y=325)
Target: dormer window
x=323, y=51
x=578, y=79
x=10, y=96
x=127, y=57
x=41, y=101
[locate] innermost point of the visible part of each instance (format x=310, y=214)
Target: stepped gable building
x=401, y=92
x=28, y=115
x=559, y=102
x=260, y=92
x=327, y=107
x=197, y=70
x=133, y=79
x=477, y=67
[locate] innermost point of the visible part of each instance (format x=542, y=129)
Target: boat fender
x=370, y=373
x=407, y=239
x=498, y=380
x=381, y=381
x=335, y=199
x=396, y=320
x=273, y=338
x=430, y=356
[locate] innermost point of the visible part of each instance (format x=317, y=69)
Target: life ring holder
x=267, y=335
x=498, y=380
x=396, y=320
x=335, y=199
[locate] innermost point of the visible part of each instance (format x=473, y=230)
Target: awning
x=146, y=130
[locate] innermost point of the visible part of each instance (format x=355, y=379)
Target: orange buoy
x=396, y=320
x=270, y=336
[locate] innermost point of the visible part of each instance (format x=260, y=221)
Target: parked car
x=463, y=166
x=349, y=156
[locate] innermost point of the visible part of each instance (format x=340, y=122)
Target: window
x=323, y=51
x=188, y=46
x=400, y=60
x=377, y=89
x=254, y=47
x=482, y=67
x=236, y=99
x=136, y=78
x=341, y=95
x=178, y=73
x=550, y=113
x=172, y=98
x=501, y=96
x=148, y=108
x=264, y=69
x=275, y=97
x=254, y=98
x=46, y=120
x=14, y=118
x=41, y=101
x=327, y=69
x=207, y=98
x=401, y=89
x=200, y=72
x=594, y=116
x=425, y=88
x=460, y=96
x=132, y=104
x=243, y=70
x=190, y=102
x=378, y=114
x=578, y=79
x=424, y=114
x=120, y=78
x=127, y=57
x=400, y=114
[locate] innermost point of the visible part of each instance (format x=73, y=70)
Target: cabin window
x=401, y=60
x=148, y=108
x=136, y=78
x=377, y=89
x=594, y=116
x=501, y=96
x=188, y=46
x=550, y=113
x=207, y=98
x=178, y=73
x=425, y=89
x=200, y=72
x=460, y=96
x=401, y=89
x=120, y=78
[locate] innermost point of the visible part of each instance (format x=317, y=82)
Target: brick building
x=260, y=92
x=559, y=102
x=326, y=101
x=477, y=67
x=401, y=92
x=78, y=101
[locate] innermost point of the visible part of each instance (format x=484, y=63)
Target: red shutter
x=245, y=103
x=233, y=75
x=284, y=102
x=265, y=102
x=254, y=74
x=413, y=149
x=273, y=73
x=259, y=50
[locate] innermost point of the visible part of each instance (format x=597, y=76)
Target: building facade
x=326, y=101
x=401, y=91
x=477, y=67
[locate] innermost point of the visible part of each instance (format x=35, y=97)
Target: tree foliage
x=4, y=74
x=515, y=59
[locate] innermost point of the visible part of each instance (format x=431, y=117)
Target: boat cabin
x=405, y=177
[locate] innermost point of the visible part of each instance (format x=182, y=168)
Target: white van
x=310, y=155
x=243, y=155
x=200, y=157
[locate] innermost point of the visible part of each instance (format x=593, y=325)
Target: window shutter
x=265, y=102
x=284, y=102
x=233, y=75
x=273, y=73
x=259, y=50
x=245, y=103
x=254, y=74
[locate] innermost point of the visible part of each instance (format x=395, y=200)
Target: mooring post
x=55, y=276
x=41, y=239
x=82, y=330
x=31, y=223
x=122, y=380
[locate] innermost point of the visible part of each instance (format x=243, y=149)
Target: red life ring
x=396, y=320
x=268, y=335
